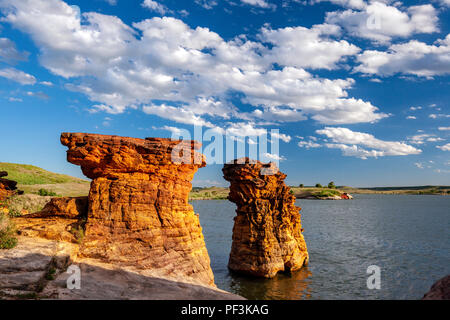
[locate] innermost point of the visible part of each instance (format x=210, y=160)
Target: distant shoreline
x=221, y=193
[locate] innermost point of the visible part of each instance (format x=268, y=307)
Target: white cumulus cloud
x=381, y=22
x=411, y=58
x=189, y=73
x=307, y=48
x=155, y=6
x=17, y=76
x=445, y=147
x=9, y=52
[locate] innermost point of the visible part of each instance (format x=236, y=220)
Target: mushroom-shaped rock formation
x=138, y=210
x=267, y=233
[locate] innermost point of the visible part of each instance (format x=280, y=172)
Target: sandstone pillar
x=138, y=210
x=267, y=233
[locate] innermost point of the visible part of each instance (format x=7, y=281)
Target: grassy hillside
x=222, y=193
x=315, y=192
x=416, y=190
x=31, y=179
x=26, y=174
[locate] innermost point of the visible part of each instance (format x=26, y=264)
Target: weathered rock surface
x=7, y=187
x=138, y=210
x=267, y=233
x=439, y=290
x=23, y=269
x=37, y=269
x=72, y=208
x=60, y=229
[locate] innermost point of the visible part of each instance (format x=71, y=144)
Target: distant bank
x=35, y=180
x=216, y=193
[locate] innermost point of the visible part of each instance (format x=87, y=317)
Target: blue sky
x=358, y=89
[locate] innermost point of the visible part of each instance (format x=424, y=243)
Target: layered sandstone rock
x=66, y=207
x=267, y=233
x=61, y=219
x=138, y=210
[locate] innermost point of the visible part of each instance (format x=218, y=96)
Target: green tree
x=318, y=185
x=301, y=185
x=331, y=185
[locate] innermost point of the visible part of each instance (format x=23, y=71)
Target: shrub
x=318, y=185
x=78, y=233
x=327, y=193
x=30, y=203
x=7, y=232
x=45, y=193
x=331, y=185
x=51, y=274
x=301, y=185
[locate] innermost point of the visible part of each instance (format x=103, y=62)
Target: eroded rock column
x=138, y=210
x=267, y=233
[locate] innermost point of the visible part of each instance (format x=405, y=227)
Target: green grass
x=413, y=190
x=47, y=193
x=51, y=274
x=78, y=233
x=8, y=238
x=26, y=202
x=211, y=193
x=315, y=192
x=26, y=174
x=327, y=193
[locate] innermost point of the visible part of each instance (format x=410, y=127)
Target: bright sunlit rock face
x=138, y=211
x=267, y=233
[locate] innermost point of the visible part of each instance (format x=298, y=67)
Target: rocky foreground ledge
x=38, y=269
x=134, y=237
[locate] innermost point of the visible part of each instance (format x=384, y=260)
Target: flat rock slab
x=102, y=281
x=51, y=228
x=24, y=267
x=23, y=271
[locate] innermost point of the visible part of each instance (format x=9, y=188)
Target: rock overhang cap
x=106, y=155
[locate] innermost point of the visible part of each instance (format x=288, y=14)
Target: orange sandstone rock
x=440, y=290
x=267, y=233
x=7, y=187
x=138, y=210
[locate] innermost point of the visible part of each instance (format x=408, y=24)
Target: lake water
x=407, y=236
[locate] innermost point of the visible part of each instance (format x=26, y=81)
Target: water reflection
x=285, y=286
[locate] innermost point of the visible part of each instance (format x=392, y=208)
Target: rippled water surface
x=407, y=236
